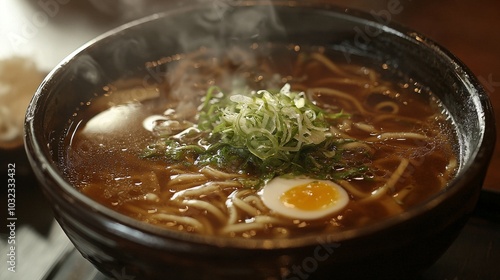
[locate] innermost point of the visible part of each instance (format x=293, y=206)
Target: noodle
x=233, y=214
x=366, y=127
x=242, y=227
x=245, y=207
x=401, y=195
x=381, y=107
x=330, y=65
x=152, y=197
x=187, y=180
x=259, y=222
x=256, y=201
x=384, y=117
x=217, y=174
x=197, y=225
x=353, y=190
x=392, y=206
x=340, y=81
x=200, y=204
x=398, y=135
x=205, y=189
x=397, y=174
x=342, y=95
x=390, y=184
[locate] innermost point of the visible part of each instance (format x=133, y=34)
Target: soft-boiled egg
x=304, y=198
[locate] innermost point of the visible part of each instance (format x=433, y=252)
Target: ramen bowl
x=397, y=247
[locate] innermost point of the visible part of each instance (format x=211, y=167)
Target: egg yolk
x=311, y=196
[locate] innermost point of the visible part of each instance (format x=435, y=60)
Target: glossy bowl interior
x=397, y=247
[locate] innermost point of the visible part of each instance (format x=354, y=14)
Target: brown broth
x=106, y=138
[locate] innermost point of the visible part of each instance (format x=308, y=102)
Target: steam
x=216, y=25
x=127, y=10
x=222, y=27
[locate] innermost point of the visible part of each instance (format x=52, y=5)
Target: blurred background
x=35, y=35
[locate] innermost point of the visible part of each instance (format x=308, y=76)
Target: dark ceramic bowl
x=397, y=247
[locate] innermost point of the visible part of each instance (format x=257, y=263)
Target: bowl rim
x=478, y=158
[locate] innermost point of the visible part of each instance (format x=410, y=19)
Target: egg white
x=271, y=196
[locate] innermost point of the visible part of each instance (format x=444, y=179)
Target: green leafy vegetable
x=269, y=125
x=265, y=133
